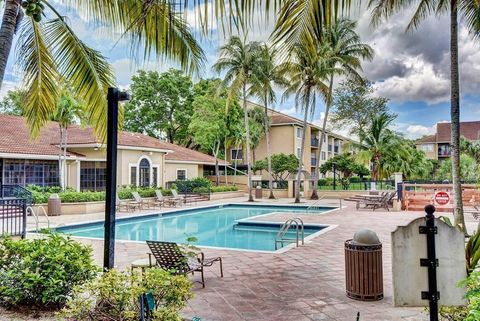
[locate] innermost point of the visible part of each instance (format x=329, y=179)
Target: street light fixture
x=114, y=96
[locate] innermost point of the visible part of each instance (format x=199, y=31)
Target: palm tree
x=307, y=73
x=471, y=16
x=376, y=142
x=240, y=61
x=349, y=50
x=269, y=76
x=68, y=111
x=49, y=52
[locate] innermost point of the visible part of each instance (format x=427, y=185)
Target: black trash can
x=363, y=271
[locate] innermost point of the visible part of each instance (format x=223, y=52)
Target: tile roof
x=427, y=139
x=469, y=129
x=14, y=138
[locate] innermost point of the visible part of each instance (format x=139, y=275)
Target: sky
x=411, y=69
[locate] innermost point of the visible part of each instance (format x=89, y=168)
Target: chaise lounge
x=168, y=256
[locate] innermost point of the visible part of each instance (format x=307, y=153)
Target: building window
x=93, y=176
x=144, y=173
x=30, y=172
x=155, y=176
x=133, y=175
x=299, y=132
x=323, y=156
x=426, y=147
x=299, y=150
x=236, y=154
x=181, y=174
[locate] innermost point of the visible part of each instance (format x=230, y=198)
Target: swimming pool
x=215, y=226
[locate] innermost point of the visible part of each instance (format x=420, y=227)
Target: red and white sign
x=442, y=198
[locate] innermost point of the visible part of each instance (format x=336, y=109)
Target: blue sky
x=411, y=69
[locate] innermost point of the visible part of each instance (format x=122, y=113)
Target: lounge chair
x=169, y=256
x=128, y=205
x=175, y=199
x=140, y=201
x=159, y=199
x=374, y=203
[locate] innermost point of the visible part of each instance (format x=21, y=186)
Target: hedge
x=40, y=195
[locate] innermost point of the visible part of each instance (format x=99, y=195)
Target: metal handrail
x=36, y=216
x=298, y=223
x=316, y=206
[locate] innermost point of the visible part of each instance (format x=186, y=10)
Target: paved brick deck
x=305, y=283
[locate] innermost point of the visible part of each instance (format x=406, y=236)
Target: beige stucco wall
x=430, y=155
x=125, y=159
x=170, y=170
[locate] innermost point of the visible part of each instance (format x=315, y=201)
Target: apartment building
x=286, y=137
x=437, y=146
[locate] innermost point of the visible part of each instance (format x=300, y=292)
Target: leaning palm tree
x=307, y=73
x=469, y=10
x=349, y=51
x=49, y=52
x=268, y=77
x=240, y=60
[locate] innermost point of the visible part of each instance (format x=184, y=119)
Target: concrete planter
x=78, y=208
x=224, y=195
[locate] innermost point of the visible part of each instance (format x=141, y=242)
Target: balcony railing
x=314, y=142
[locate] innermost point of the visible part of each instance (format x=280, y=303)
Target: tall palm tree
x=68, y=112
x=240, y=60
x=49, y=52
x=375, y=142
x=268, y=77
x=307, y=73
x=349, y=51
x=470, y=12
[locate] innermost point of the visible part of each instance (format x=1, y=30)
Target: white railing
x=36, y=216
x=297, y=223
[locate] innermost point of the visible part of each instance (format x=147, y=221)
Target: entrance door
x=144, y=173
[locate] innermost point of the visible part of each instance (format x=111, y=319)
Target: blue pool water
x=213, y=226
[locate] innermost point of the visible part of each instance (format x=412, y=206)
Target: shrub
x=215, y=189
x=42, y=272
x=40, y=195
x=114, y=296
x=192, y=184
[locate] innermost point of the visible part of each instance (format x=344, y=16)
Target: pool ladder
x=36, y=216
x=316, y=207
x=296, y=223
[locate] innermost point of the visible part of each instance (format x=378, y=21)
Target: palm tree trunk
x=247, y=137
x=269, y=155
x=320, y=144
x=455, y=116
x=302, y=147
x=235, y=164
x=225, y=160
x=60, y=155
x=7, y=30
x=65, y=137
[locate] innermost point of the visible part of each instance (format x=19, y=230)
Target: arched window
x=144, y=173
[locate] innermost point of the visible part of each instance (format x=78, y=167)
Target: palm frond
x=40, y=75
x=86, y=71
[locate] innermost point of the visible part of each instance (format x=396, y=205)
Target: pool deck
x=304, y=283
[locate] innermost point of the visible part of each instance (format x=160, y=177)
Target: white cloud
x=6, y=87
x=416, y=131
x=125, y=68
x=289, y=111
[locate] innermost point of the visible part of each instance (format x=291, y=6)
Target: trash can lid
x=366, y=237
x=54, y=196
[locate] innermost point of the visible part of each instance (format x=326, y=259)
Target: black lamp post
x=114, y=96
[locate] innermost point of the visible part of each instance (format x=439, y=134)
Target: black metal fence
x=13, y=217
x=15, y=192
x=276, y=184
x=355, y=185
